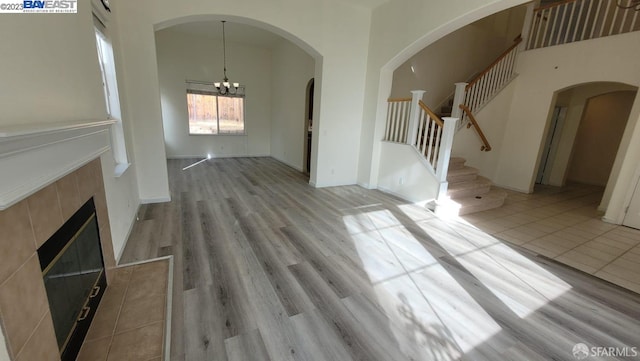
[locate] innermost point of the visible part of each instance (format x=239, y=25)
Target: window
x=108, y=70
x=210, y=113
x=112, y=99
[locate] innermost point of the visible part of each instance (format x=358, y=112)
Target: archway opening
x=308, y=125
x=272, y=69
x=582, y=142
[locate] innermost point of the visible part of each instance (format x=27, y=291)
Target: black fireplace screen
x=73, y=272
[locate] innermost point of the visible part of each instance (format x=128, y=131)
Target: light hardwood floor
x=269, y=268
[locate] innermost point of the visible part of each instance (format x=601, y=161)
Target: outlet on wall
x=401, y=181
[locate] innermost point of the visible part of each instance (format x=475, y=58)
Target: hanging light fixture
x=225, y=87
x=629, y=4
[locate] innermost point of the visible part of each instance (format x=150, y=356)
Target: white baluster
x=416, y=96
x=604, y=17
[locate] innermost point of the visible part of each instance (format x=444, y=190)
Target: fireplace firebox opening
x=74, y=276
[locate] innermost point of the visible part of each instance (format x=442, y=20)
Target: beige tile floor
x=130, y=321
x=564, y=224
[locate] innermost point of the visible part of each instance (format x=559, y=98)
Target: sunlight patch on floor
x=415, y=290
x=195, y=164
x=518, y=282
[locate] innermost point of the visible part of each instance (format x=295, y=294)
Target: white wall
x=50, y=73
x=122, y=202
x=49, y=68
x=457, y=57
x=598, y=137
x=403, y=174
x=184, y=56
x=292, y=68
x=467, y=143
x=542, y=73
x=319, y=27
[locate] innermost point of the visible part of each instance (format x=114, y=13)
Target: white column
x=416, y=97
x=446, y=143
x=458, y=98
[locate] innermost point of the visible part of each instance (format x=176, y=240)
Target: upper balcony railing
x=575, y=20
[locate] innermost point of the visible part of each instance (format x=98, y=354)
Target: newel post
x=458, y=98
x=416, y=97
x=445, y=152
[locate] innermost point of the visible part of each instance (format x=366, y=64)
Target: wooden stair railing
x=575, y=20
x=429, y=136
x=504, y=54
x=398, y=112
x=486, y=147
x=491, y=80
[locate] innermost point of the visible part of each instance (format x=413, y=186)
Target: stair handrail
x=486, y=147
x=576, y=20
x=433, y=115
x=488, y=83
x=552, y=5
x=398, y=100
x=432, y=137
x=504, y=54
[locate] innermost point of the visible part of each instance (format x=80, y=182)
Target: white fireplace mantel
x=35, y=155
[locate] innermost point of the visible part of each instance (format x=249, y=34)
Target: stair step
x=493, y=199
x=477, y=187
x=456, y=163
x=463, y=174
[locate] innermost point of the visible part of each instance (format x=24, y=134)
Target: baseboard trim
x=215, y=156
x=155, y=200
x=510, y=188
x=299, y=169
x=404, y=198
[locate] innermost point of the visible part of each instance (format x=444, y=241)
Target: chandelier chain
x=224, y=51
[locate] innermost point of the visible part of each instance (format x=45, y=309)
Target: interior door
x=551, y=145
x=632, y=219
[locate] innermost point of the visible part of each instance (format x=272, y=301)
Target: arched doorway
x=584, y=132
x=308, y=126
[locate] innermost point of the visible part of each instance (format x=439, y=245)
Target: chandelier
x=225, y=87
x=629, y=4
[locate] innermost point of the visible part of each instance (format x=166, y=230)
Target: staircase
x=472, y=192
x=446, y=108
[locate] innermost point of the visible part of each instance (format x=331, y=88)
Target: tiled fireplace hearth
x=46, y=176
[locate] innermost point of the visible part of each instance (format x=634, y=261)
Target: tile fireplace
x=48, y=174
